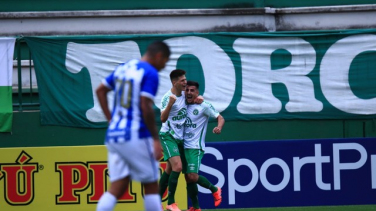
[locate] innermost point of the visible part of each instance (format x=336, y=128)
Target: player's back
x=129, y=83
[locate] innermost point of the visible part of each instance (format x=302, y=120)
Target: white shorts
x=134, y=159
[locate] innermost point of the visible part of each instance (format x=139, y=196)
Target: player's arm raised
x=101, y=92
x=149, y=120
x=166, y=112
x=221, y=122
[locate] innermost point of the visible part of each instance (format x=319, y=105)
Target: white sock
x=107, y=202
x=152, y=202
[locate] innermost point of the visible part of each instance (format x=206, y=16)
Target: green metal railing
x=26, y=97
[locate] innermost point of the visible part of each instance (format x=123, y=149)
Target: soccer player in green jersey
x=195, y=128
x=173, y=116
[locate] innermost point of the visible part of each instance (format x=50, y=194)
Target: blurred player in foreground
x=132, y=139
x=195, y=128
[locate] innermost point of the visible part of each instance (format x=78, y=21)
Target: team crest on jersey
x=181, y=115
x=195, y=112
x=188, y=123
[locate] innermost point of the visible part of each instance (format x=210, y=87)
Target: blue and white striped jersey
x=130, y=81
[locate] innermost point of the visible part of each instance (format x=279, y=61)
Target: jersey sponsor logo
x=19, y=180
x=182, y=114
x=179, y=126
x=189, y=124
x=189, y=135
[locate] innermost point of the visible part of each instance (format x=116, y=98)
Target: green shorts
x=171, y=146
x=192, y=160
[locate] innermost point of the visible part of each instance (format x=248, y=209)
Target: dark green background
x=28, y=131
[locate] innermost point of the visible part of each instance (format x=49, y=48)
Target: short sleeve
x=109, y=81
x=164, y=101
x=210, y=110
x=149, y=85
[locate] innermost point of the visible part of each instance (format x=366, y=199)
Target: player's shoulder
x=146, y=67
x=206, y=104
x=125, y=65
x=167, y=94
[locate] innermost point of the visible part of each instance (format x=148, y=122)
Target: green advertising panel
x=246, y=76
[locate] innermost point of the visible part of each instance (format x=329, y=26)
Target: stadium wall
x=28, y=134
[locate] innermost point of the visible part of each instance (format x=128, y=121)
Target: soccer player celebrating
x=194, y=144
x=132, y=138
x=173, y=114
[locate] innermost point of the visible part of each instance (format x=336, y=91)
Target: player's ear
x=159, y=56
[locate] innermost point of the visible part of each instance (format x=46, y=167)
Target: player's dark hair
x=175, y=74
x=158, y=46
x=193, y=83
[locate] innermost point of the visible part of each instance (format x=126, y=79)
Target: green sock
x=163, y=183
x=172, y=184
x=193, y=194
x=203, y=182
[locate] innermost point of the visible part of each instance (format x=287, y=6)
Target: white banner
x=6, y=60
x=6, y=70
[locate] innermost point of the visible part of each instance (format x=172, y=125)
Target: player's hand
x=217, y=130
x=199, y=99
x=157, y=149
x=172, y=99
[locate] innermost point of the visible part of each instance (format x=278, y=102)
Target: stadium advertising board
x=63, y=178
x=291, y=173
x=246, y=76
x=251, y=174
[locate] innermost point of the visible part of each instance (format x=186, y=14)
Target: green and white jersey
x=196, y=124
x=175, y=122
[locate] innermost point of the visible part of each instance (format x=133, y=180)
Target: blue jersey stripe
x=129, y=80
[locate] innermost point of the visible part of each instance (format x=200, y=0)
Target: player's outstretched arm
x=101, y=92
x=149, y=120
x=221, y=122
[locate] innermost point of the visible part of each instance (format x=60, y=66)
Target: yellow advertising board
x=64, y=178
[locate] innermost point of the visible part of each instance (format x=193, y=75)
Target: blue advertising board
x=291, y=173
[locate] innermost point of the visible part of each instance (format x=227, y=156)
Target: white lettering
x=258, y=77
x=334, y=74
x=373, y=171
x=100, y=60
x=219, y=71
x=317, y=160
x=212, y=171
x=338, y=166
x=233, y=185
x=264, y=179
